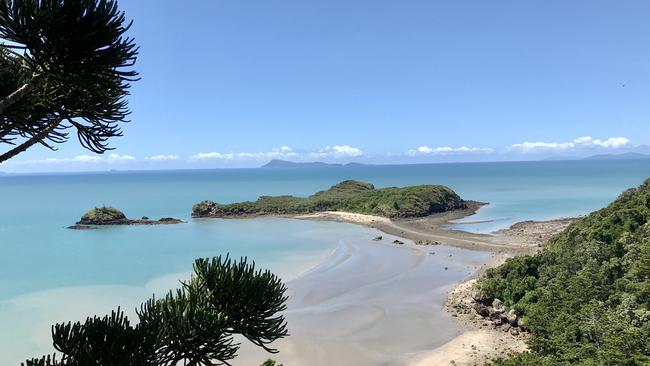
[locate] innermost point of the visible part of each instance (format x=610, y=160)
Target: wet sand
x=521, y=238
x=391, y=304
x=372, y=303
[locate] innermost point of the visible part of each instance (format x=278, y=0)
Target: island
x=284, y=164
x=624, y=156
x=106, y=216
x=348, y=196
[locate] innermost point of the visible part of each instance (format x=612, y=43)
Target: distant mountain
x=625, y=156
x=284, y=164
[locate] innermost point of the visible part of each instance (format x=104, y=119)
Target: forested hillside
x=586, y=297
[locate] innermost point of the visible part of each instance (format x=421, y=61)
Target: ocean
x=49, y=273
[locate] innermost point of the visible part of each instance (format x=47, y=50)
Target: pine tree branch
x=14, y=97
x=38, y=138
x=20, y=93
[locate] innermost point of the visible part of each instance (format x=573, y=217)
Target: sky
x=237, y=83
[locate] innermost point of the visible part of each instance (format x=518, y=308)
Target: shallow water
x=49, y=273
x=371, y=304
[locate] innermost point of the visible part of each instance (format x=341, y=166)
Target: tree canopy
x=586, y=296
x=348, y=196
x=65, y=65
x=193, y=325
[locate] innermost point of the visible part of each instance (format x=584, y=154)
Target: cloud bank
x=283, y=152
x=444, y=150
x=527, y=150
x=586, y=142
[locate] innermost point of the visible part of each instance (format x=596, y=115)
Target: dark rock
x=521, y=324
x=480, y=296
x=482, y=310
x=144, y=218
x=378, y=238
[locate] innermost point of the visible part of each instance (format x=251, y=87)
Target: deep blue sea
x=50, y=273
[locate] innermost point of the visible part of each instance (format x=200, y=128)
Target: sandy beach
x=521, y=238
x=381, y=303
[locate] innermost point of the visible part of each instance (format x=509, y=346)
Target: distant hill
x=284, y=164
x=625, y=156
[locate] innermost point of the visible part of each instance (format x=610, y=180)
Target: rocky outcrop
x=489, y=312
x=103, y=216
x=107, y=216
x=207, y=209
x=427, y=242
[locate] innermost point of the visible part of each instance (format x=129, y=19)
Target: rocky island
x=104, y=216
x=348, y=196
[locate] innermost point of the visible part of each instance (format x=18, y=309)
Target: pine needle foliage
x=193, y=325
x=64, y=64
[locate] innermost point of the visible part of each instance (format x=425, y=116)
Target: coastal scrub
x=586, y=297
x=347, y=196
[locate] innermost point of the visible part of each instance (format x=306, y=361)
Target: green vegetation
x=102, y=214
x=348, y=196
x=586, y=296
x=270, y=362
x=66, y=67
x=193, y=325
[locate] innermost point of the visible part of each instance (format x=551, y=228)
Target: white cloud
x=207, y=156
x=578, y=143
x=117, y=157
x=282, y=152
x=76, y=159
x=80, y=159
x=442, y=150
x=337, y=151
x=163, y=157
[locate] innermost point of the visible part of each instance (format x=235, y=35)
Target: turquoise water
x=45, y=267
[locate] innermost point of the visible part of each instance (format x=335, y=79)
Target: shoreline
x=478, y=343
x=525, y=237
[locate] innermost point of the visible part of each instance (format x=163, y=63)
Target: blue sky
x=235, y=83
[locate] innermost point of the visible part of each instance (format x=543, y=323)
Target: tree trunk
x=31, y=142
